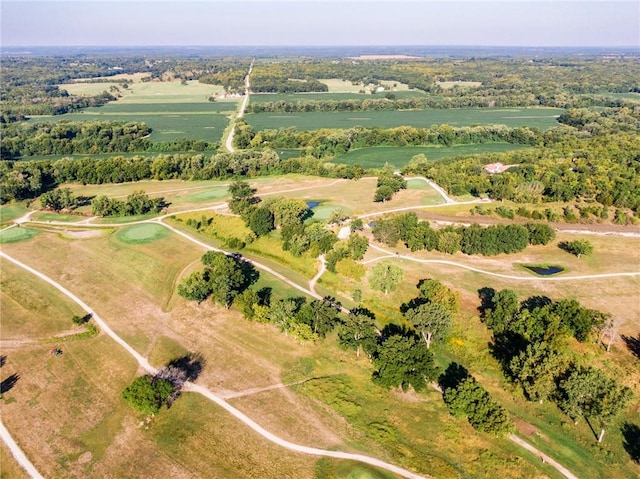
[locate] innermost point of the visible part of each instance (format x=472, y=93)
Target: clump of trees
x=530, y=342
x=224, y=277
x=474, y=239
x=577, y=247
x=388, y=185
x=465, y=397
x=59, y=199
x=137, y=203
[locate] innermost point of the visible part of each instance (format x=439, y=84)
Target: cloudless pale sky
x=328, y=23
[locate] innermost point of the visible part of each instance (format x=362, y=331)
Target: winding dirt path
x=390, y=254
x=144, y=363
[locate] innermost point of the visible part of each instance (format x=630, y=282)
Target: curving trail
x=545, y=459
x=389, y=254
x=144, y=363
x=314, y=280
x=18, y=455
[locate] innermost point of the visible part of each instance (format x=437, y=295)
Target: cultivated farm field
x=542, y=118
x=172, y=109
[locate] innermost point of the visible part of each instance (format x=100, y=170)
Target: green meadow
x=542, y=118
x=376, y=157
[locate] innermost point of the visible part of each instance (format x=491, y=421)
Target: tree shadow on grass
x=633, y=344
x=7, y=384
x=631, y=434
x=3, y=360
x=191, y=364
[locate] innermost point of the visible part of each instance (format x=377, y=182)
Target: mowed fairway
x=377, y=157
x=171, y=109
x=542, y=118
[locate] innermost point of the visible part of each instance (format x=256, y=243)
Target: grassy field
x=542, y=118
x=150, y=92
x=11, y=211
x=79, y=427
x=15, y=235
x=377, y=157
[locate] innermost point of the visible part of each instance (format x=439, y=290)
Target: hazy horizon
x=286, y=23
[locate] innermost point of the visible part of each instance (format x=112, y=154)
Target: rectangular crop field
x=149, y=92
x=377, y=157
x=329, y=96
x=169, y=122
x=542, y=118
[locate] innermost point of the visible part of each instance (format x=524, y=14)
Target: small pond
x=312, y=204
x=545, y=270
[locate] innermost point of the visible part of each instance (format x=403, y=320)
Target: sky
x=322, y=23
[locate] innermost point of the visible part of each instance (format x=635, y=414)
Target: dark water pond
x=545, y=271
x=312, y=204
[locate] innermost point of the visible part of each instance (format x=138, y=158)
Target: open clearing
x=542, y=118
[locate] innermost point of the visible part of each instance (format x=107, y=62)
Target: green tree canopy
x=385, y=276
x=403, y=361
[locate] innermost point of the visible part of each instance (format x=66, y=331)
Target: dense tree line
x=390, y=103
x=66, y=138
x=333, y=142
x=28, y=179
x=474, y=239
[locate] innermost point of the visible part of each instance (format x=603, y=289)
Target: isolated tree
x=147, y=394
x=577, y=247
x=383, y=193
x=610, y=330
x=431, y=320
x=58, y=199
x=403, y=361
x=385, y=276
x=587, y=392
x=337, y=216
x=357, y=246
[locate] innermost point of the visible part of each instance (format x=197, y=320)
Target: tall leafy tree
x=358, y=331
x=587, y=392
x=403, y=361
x=385, y=276
x=431, y=320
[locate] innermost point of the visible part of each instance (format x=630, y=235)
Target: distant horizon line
x=422, y=45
